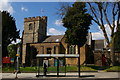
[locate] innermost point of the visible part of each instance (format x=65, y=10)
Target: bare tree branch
x=106, y=17
x=93, y=11
x=118, y=19
x=96, y=20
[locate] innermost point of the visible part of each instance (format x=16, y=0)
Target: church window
x=30, y=26
x=49, y=50
x=72, y=49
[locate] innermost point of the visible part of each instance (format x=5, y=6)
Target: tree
x=77, y=22
x=101, y=16
x=12, y=50
x=117, y=40
x=9, y=31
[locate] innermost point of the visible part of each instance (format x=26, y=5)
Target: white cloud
x=5, y=5
x=99, y=34
x=58, y=22
x=53, y=31
x=24, y=9
x=17, y=41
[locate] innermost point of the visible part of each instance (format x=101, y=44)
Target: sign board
x=6, y=60
x=12, y=60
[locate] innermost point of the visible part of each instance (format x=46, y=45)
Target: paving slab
x=69, y=76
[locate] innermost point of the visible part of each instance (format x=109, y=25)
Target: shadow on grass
x=99, y=67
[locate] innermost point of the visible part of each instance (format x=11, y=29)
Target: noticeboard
x=6, y=60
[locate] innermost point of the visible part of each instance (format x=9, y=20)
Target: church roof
x=54, y=38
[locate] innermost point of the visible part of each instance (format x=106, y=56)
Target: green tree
x=12, y=50
x=9, y=31
x=77, y=22
x=117, y=40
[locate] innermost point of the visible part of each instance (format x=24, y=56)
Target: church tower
x=35, y=30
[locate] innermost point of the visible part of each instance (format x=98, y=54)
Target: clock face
x=30, y=26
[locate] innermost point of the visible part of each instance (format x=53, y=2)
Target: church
x=36, y=41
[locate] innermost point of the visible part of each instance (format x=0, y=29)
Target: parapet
x=38, y=18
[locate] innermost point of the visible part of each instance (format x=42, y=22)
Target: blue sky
x=33, y=9
x=21, y=10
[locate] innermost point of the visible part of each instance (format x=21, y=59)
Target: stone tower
x=35, y=29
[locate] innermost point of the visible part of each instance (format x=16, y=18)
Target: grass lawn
x=70, y=69
x=50, y=69
x=62, y=69
x=113, y=68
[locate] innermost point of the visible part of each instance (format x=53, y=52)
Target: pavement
x=69, y=76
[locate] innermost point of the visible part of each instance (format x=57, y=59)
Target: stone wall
x=98, y=58
x=34, y=35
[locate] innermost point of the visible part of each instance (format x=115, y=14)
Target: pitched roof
x=54, y=38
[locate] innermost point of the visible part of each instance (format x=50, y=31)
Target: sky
x=32, y=9
x=21, y=10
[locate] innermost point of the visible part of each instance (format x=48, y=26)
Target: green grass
x=50, y=69
x=8, y=69
x=62, y=69
x=70, y=69
x=85, y=68
x=28, y=69
x=114, y=68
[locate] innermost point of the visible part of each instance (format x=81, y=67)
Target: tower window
x=30, y=26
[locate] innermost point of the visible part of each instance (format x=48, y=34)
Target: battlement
x=38, y=18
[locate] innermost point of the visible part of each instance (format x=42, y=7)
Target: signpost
x=17, y=60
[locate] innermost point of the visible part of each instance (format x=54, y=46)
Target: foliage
x=12, y=50
x=9, y=31
x=77, y=22
x=117, y=40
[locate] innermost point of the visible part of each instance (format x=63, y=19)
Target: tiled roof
x=54, y=38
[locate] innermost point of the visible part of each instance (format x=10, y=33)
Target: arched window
x=30, y=26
